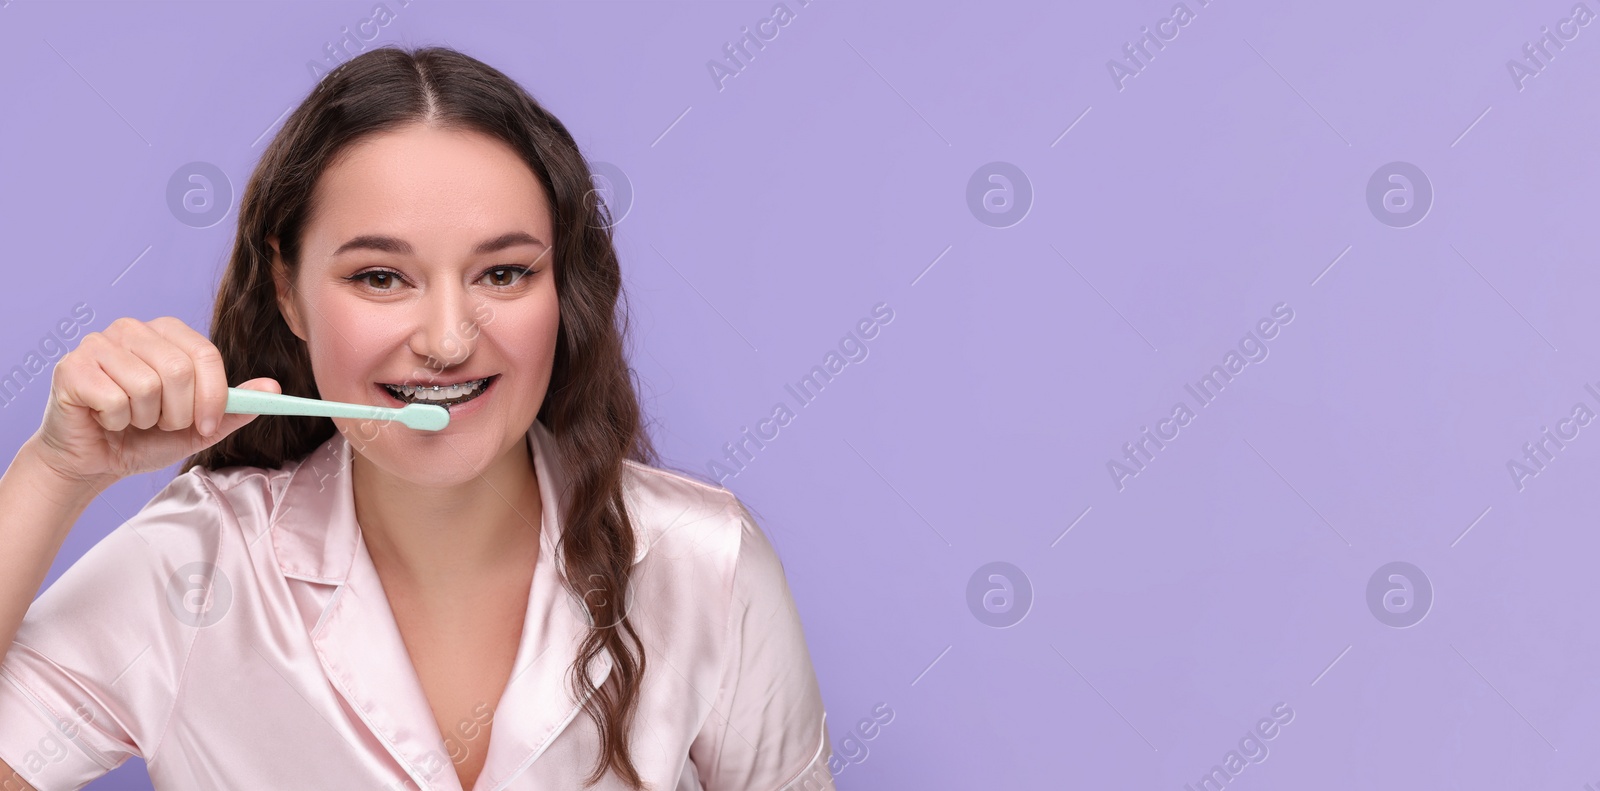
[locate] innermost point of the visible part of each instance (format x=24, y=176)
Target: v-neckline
x=365, y=659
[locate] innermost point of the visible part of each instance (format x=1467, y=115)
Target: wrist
x=61, y=486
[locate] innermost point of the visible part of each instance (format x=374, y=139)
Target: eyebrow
x=390, y=244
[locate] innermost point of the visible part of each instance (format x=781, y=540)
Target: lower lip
x=457, y=412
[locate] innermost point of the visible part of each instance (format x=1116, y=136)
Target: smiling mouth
x=442, y=396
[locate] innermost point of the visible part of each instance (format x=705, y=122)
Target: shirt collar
x=315, y=533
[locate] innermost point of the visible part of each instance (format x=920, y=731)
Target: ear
x=287, y=304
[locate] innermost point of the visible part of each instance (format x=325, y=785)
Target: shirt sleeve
x=94, y=670
x=768, y=729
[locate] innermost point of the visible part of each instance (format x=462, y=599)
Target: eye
x=503, y=271
x=368, y=276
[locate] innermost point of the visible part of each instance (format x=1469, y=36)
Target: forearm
x=38, y=507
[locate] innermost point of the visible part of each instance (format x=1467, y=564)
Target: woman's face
x=429, y=260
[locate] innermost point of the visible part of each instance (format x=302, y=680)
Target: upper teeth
x=437, y=393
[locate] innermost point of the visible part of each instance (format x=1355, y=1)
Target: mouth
x=449, y=396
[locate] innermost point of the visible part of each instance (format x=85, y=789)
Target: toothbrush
x=423, y=417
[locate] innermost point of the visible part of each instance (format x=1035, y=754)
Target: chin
x=427, y=457
x=443, y=472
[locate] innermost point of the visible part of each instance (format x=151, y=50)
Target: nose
x=447, y=332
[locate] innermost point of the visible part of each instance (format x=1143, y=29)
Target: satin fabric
x=235, y=634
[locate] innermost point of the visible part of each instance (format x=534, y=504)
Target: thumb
x=265, y=384
x=233, y=422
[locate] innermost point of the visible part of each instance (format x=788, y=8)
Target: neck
x=450, y=538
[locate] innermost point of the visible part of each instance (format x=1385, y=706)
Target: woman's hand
x=138, y=397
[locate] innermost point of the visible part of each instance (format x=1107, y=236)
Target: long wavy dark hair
x=591, y=407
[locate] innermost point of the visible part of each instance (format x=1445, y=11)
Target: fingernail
x=207, y=426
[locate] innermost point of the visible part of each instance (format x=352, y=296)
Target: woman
x=518, y=601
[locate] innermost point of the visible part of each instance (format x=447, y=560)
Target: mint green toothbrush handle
x=255, y=402
x=428, y=417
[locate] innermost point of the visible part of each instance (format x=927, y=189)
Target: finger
x=175, y=368
x=140, y=383
x=210, y=382
x=82, y=383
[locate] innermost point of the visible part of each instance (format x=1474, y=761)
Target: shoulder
x=640, y=477
x=245, y=484
x=130, y=584
x=701, y=529
x=670, y=508
x=198, y=510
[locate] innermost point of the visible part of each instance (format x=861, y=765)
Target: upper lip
x=435, y=383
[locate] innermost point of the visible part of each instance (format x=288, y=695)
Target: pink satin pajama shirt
x=235, y=635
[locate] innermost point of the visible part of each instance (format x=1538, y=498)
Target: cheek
x=526, y=339
x=344, y=338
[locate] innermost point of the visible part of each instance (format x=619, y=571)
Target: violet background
x=1166, y=218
